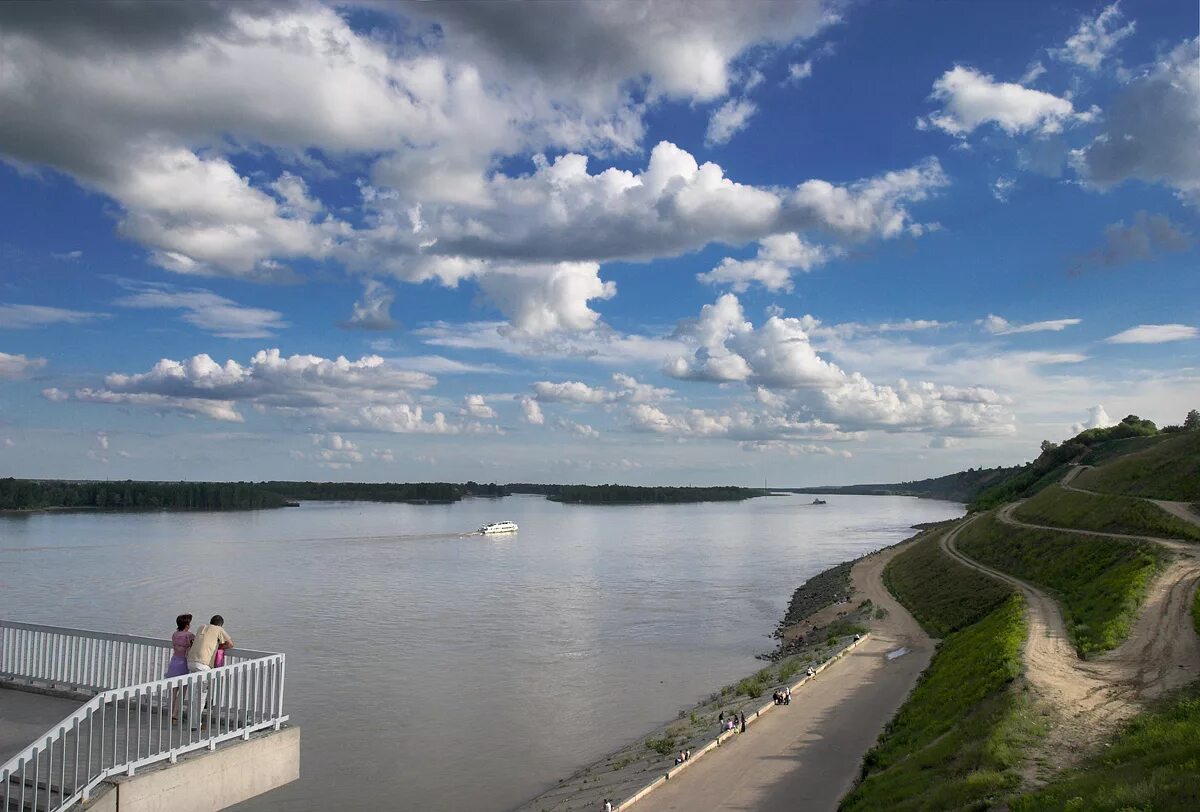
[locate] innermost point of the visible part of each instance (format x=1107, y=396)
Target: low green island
x=632, y=494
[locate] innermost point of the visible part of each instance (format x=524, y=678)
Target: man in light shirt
x=203, y=652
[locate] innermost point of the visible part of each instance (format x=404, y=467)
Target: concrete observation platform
x=233, y=772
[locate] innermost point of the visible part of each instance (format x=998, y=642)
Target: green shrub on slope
x=1117, y=448
x=1100, y=582
x=1196, y=610
x=1152, y=764
x=1109, y=513
x=957, y=742
x=1166, y=470
x=942, y=594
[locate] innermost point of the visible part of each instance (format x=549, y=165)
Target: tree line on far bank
x=41, y=494
x=38, y=494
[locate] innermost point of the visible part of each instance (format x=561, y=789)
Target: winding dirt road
x=1088, y=698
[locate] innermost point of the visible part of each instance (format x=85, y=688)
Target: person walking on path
x=743, y=719
x=181, y=644
x=203, y=653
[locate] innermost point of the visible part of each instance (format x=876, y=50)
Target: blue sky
x=806, y=242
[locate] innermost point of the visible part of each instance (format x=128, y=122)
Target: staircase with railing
x=127, y=723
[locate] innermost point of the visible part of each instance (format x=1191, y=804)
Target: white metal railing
x=85, y=660
x=125, y=726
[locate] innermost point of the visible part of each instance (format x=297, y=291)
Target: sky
x=652, y=243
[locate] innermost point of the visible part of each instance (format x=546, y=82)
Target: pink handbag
x=219, y=658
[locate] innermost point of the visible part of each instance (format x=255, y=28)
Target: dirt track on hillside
x=1086, y=699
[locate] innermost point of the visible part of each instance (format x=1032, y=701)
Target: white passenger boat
x=498, y=527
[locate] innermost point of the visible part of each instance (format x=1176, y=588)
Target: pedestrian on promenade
x=743, y=715
x=209, y=638
x=181, y=643
x=608, y=807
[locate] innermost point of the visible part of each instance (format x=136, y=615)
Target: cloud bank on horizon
x=581, y=241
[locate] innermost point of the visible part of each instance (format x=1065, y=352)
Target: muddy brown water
x=434, y=670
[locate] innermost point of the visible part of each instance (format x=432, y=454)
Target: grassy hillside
x=942, y=594
x=1099, y=582
x=1152, y=764
x=957, y=742
x=984, y=489
x=1169, y=469
x=1116, y=448
x=1060, y=507
x=1055, y=458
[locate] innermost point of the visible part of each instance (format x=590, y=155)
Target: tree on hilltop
x=1192, y=421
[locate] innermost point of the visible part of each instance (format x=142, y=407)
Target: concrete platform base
x=207, y=781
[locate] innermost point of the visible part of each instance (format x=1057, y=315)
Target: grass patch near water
x=1100, y=582
x=958, y=741
x=1152, y=764
x=1110, y=513
x=942, y=594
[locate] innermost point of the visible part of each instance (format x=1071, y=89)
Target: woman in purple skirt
x=181, y=641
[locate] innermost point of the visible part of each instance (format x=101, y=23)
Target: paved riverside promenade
x=807, y=755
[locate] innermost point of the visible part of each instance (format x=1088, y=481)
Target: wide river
x=433, y=670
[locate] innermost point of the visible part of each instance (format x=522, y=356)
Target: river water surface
x=435, y=671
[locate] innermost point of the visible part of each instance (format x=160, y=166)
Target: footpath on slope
x=807, y=755
x=1089, y=698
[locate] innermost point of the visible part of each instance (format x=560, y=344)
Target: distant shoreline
x=29, y=495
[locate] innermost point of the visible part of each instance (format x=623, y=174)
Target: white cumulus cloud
x=372, y=310
x=24, y=316
x=545, y=299
x=1097, y=419
x=999, y=326
x=367, y=394
x=1155, y=334
x=206, y=310
x=1096, y=38
x=728, y=120
x=1151, y=130
x=14, y=365
x=582, y=429
x=779, y=356
x=475, y=406
x=531, y=411
x=971, y=99
x=778, y=256
x=799, y=71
